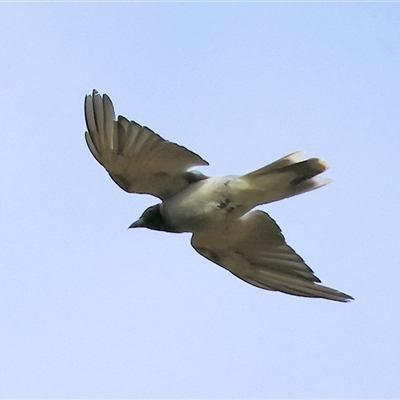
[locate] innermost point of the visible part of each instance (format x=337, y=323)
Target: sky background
x=90, y=309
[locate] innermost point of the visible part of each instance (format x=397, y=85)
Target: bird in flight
x=218, y=211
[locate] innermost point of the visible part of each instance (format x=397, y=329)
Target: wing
x=254, y=249
x=137, y=159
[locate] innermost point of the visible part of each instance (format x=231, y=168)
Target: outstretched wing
x=254, y=249
x=137, y=159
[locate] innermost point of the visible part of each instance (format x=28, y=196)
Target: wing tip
x=327, y=293
x=346, y=297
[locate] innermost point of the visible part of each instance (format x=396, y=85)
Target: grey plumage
x=216, y=210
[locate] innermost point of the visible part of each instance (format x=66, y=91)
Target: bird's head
x=152, y=218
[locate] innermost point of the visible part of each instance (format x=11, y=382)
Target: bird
x=218, y=211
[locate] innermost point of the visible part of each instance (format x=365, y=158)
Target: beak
x=136, y=224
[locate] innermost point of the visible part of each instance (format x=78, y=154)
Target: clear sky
x=91, y=309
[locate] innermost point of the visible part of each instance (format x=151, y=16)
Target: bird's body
x=216, y=210
x=207, y=203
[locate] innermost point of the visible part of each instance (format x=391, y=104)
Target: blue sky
x=90, y=309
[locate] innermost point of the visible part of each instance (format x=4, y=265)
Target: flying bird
x=218, y=211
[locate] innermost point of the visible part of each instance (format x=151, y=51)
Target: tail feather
x=286, y=177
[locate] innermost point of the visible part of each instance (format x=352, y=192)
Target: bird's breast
x=201, y=205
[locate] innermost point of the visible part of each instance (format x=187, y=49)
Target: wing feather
x=137, y=159
x=254, y=249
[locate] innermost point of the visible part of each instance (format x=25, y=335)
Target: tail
x=287, y=177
